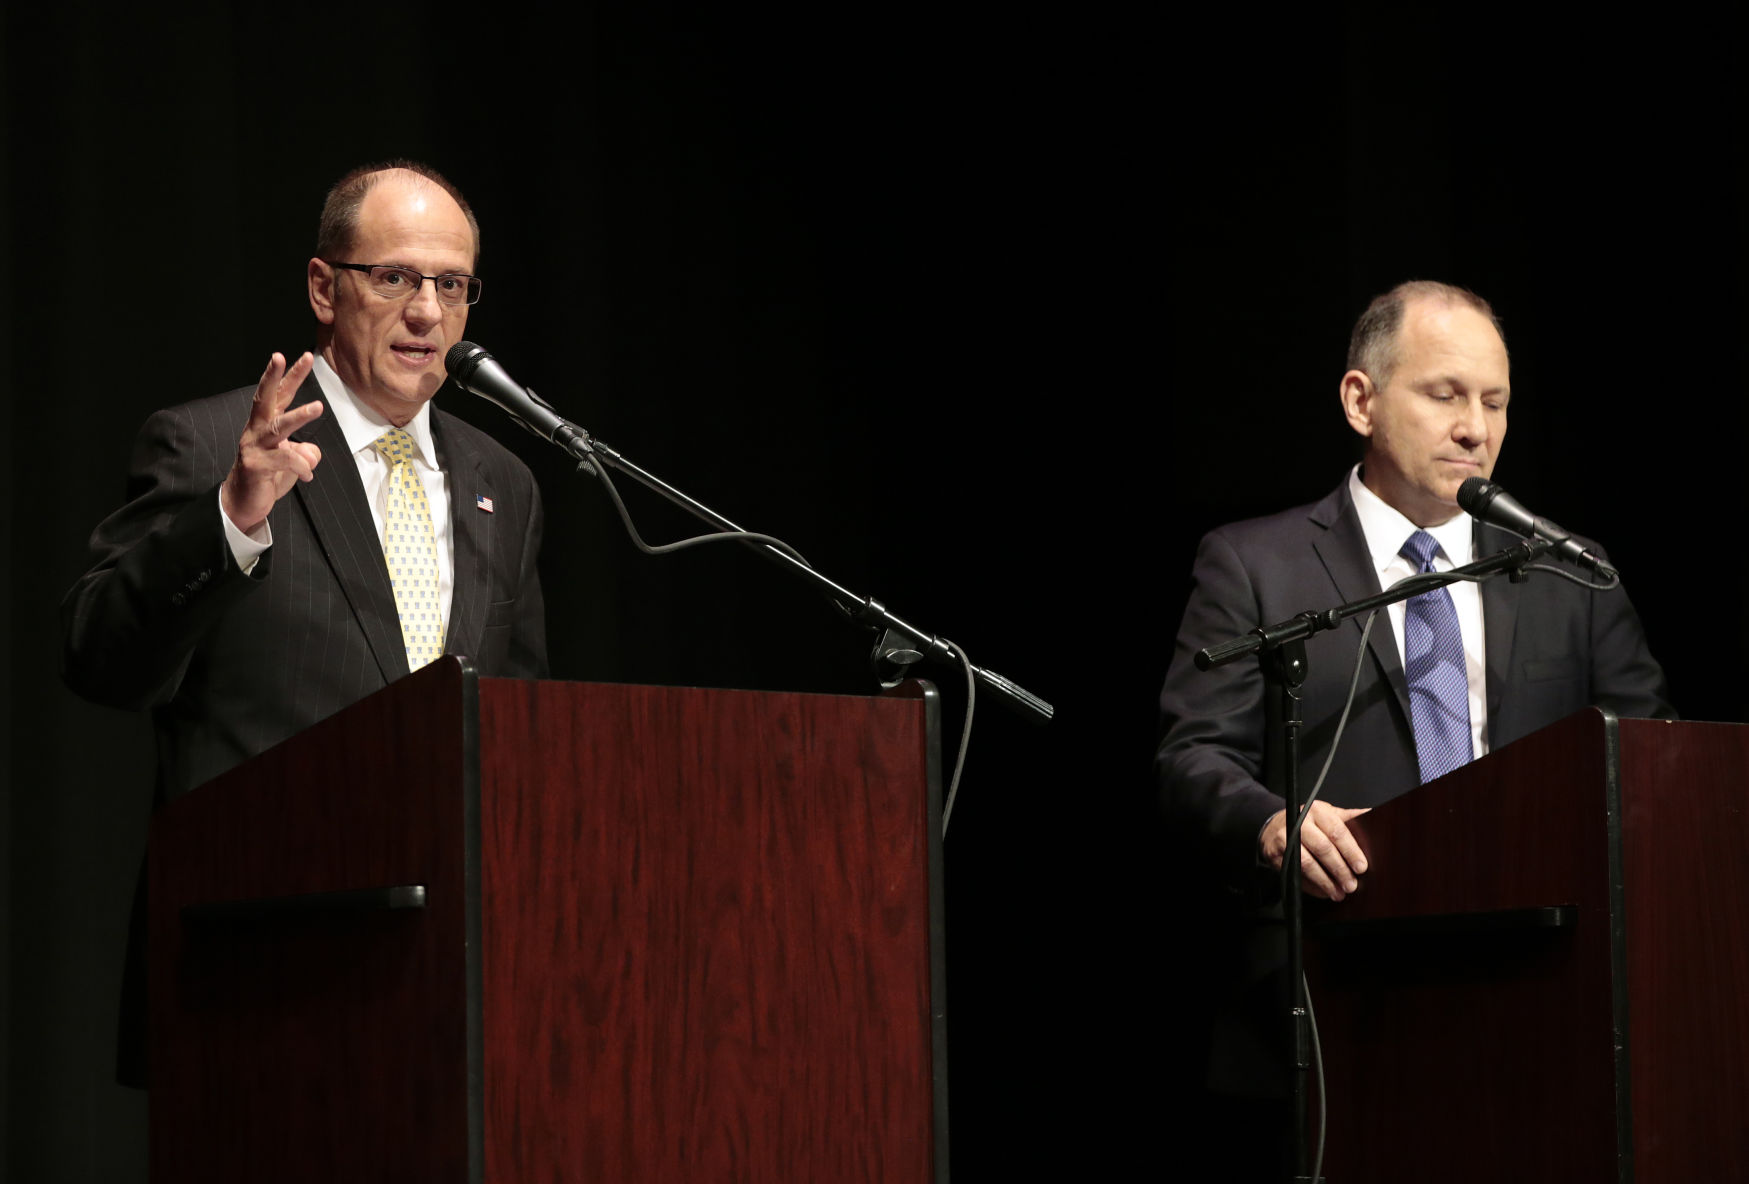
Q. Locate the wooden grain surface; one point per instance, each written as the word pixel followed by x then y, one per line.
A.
pixel 706 937
pixel 1488 1056
pixel 1686 879
pixel 703 950
pixel 326 1048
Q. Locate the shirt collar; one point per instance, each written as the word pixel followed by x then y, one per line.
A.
pixel 1386 529
pixel 362 426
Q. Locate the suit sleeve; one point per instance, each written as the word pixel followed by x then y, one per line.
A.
pixel 1211 753
pixel 1625 677
pixel 162 572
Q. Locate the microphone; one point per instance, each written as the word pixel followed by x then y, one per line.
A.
pixel 1484 500
pixel 478 373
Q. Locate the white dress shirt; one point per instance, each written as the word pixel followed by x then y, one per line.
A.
pixel 1386 531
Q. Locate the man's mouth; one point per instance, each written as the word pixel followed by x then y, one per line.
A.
pixel 416 353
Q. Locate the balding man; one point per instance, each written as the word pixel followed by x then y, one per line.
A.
pixel 240 611
pixel 288 548
pixel 1427 388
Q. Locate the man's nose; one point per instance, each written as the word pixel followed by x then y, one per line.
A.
pixel 1471 428
pixel 423 307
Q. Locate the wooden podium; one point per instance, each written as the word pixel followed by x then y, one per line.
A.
pixel 478 929
pixel 1545 975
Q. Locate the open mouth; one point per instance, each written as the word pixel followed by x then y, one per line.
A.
pixel 415 353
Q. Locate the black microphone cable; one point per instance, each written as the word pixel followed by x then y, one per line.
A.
pixel 465 359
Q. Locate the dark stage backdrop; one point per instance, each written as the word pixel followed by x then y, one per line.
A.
pixel 992 315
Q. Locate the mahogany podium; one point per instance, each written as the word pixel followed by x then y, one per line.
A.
pixel 1545 975
pixel 477 929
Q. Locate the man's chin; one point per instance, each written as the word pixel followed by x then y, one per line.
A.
pixel 1430 506
pixel 1446 488
pixel 1454 476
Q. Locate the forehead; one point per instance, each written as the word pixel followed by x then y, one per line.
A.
pixel 1441 337
pixel 404 221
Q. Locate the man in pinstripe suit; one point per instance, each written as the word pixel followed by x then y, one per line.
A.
pixel 240 611
pixel 241 593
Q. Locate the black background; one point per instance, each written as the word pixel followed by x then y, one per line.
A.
pixel 990 311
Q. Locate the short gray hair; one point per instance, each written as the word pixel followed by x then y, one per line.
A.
pixel 1372 347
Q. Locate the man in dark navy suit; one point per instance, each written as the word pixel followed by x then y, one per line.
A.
pixel 1427 388
pixel 242 592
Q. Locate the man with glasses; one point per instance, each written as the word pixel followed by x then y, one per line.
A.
pixel 241 612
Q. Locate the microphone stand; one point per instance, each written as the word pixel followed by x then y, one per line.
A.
pixel 1281 652
pixel 900 645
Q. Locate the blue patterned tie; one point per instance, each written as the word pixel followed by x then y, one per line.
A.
pixel 1433 661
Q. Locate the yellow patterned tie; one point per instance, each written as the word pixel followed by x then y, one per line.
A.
pixel 410 549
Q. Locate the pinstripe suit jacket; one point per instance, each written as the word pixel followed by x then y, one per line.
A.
pixel 231 664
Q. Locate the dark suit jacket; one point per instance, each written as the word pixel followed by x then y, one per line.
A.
pixel 230 664
pixel 1552 647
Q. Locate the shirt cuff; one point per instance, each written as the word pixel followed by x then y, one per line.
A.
pixel 248 548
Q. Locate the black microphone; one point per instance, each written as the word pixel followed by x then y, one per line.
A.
pixel 478 373
pixel 1483 499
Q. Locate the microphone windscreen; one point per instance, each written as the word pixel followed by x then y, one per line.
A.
pixel 1474 495
pixel 461 359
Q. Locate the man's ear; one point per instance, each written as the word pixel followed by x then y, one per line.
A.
pixel 321 280
pixel 1357 396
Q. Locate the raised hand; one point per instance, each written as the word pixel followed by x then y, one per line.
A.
pixel 268 462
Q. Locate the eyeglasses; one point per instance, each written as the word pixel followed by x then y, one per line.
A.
pixel 397 283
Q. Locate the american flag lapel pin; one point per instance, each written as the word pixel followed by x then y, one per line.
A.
pixel 484 502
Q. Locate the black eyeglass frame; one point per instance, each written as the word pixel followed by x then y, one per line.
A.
pixel 474 288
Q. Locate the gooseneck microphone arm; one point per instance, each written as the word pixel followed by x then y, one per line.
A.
pixel 475 371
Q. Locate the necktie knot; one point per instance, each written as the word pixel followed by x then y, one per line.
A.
pixel 395 445
pixel 1420 549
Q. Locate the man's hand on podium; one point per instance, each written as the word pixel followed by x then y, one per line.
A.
pixel 1331 861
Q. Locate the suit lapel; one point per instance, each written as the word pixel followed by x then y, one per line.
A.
pixel 340 518
pixel 471 528
pixel 1499 620
pixel 1342 549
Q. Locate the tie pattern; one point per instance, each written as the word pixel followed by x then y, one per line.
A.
pixel 1433 662
pixel 410 550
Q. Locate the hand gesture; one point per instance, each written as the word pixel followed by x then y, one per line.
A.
pixel 1331 861
pixel 268 462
